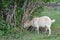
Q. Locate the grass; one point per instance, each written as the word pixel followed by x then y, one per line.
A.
pixel 26 35
pixel 53 13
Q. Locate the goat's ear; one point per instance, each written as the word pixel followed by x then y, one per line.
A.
pixel 27 20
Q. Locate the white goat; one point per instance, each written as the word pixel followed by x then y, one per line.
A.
pixel 43 21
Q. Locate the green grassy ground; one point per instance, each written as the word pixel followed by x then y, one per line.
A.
pixel 53 13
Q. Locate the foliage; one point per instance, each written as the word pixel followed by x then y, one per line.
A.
pixel 6 29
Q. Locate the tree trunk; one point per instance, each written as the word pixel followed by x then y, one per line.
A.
pixel 29 7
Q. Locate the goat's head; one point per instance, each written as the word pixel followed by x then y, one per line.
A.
pixel 27 24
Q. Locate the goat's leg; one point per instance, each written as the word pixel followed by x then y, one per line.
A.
pixel 49 31
pixel 38 30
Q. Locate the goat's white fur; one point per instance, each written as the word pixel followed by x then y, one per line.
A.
pixel 37 22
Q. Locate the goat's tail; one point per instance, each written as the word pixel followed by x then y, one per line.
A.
pixel 53 21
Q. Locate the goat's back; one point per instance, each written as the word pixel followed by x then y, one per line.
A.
pixel 41 21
